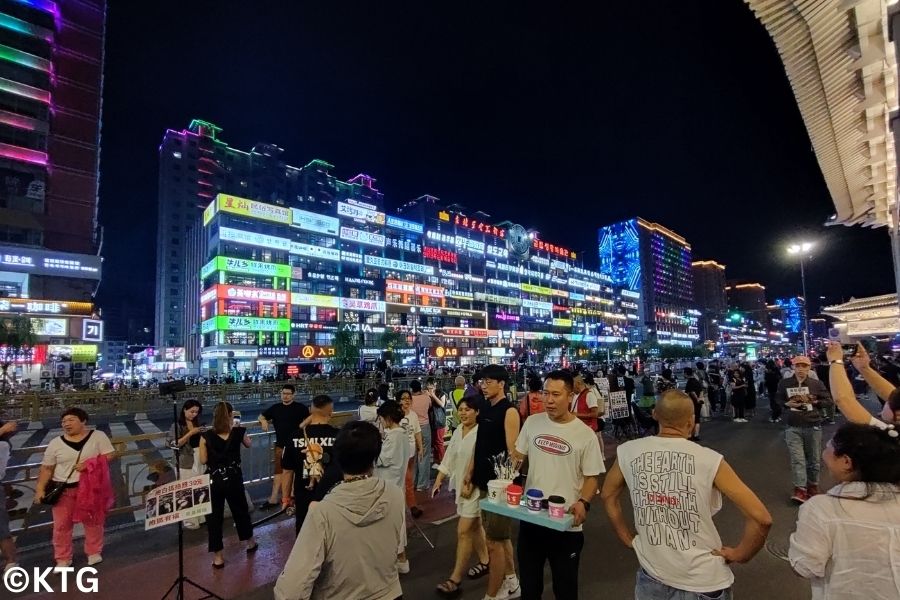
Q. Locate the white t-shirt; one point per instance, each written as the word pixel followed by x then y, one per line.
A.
pixel 560 456
pixel 671 485
pixel 368 413
pixel 410 424
pixel 457 457
pixel 61 456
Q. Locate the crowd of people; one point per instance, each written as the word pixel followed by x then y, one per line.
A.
pixel 354 490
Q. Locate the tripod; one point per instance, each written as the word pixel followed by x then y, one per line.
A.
pixel 182 579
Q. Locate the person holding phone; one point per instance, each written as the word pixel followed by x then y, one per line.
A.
pixel 184 437
pixel 469 532
pixel 843 393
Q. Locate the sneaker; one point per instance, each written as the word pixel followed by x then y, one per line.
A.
pixel 94 559
pixel 812 489
pixel 191 525
pixel 268 505
pixel 510 589
pixel 64 563
pixel 403 567
pixel 416 512
pixel 799 496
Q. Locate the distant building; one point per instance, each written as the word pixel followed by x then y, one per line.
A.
pixel 861 318
pixel 650 267
pixel 709 296
pixel 749 299
pixel 113 356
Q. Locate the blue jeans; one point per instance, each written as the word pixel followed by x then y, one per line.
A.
pixel 648 588
pixel 423 466
pixel 805 447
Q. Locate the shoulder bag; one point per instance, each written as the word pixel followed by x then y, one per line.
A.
pixel 53 491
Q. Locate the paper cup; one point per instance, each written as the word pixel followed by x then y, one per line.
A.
pixel 533 498
pixel 497 490
pixel 556 507
pixel 514 495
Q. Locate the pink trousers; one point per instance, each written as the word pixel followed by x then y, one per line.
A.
pixel 63 525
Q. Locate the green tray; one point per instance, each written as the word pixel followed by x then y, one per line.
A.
pixel 523 514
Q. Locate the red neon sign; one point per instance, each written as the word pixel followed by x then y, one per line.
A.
pixel 439 255
pixel 475 225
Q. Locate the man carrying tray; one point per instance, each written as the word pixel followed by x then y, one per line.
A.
pixel 564 459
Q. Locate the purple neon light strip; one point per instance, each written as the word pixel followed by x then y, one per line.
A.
pixel 21 122
pixel 23 154
pixel 44 5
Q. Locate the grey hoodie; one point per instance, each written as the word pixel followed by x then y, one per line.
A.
pixel 347 547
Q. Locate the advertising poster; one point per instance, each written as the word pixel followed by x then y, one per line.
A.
pixel 177 501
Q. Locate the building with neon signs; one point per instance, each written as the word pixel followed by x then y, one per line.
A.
pixel 277 283
pixel 651 265
pixel 195 165
pixel 51 80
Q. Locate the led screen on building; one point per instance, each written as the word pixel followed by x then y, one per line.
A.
pixel 620 254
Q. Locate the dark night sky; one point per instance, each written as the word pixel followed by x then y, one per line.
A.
pixel 564 119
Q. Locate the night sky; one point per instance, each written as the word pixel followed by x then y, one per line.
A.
pixel 561 118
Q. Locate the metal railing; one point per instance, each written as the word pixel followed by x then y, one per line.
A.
pixel 36 406
pixel 139 465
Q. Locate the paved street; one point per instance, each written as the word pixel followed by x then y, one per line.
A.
pixel 147 563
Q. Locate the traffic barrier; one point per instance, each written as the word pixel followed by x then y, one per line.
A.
pixel 141 463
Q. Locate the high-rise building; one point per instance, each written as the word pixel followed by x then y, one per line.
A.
pixel 51 82
pixel 749 299
pixel 194 166
pixel 709 296
pixel 651 265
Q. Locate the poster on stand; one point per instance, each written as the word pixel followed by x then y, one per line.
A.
pixel 177 501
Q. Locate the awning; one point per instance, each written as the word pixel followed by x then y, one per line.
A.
pixel 842 68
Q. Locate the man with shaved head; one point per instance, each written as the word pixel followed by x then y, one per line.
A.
pixel 676 487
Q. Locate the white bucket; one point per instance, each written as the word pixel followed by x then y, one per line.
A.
pixel 497 490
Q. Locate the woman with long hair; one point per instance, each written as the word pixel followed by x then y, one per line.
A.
pixel 739 395
pixel 469 532
pixel 184 436
pixel 368 411
pixel 220 451
pixel 846 541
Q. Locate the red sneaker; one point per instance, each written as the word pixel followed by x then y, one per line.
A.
pixel 800 496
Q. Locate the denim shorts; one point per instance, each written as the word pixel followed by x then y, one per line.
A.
pixel 648 587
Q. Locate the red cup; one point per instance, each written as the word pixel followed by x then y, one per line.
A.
pixel 513 494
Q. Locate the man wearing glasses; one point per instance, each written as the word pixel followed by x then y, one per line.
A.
pixel 498 428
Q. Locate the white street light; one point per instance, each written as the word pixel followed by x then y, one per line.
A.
pixel 803 249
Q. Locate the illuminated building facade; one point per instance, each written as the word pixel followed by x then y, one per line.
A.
pixel 51 80
pixel 279 281
pixel 651 265
pixel 194 166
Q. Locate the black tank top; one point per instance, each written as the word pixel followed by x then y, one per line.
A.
pixel 491 441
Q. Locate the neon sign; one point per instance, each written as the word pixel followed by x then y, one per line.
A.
pixel 359 213
pixel 475 225
pixel 398 223
pixel 315 222
pixel 439 255
pixel 362 237
pixel 398 265
pixel 250 238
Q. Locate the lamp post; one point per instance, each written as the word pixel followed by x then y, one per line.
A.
pixel 802 250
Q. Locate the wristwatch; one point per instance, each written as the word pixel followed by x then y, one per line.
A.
pixel 587 505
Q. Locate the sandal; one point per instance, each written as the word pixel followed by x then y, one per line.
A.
pixel 478 571
pixel 449 589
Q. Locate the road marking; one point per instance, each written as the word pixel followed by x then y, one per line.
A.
pixel 447 520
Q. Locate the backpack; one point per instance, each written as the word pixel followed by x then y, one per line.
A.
pixel 437 415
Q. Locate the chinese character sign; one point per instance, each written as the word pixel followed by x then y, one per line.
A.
pixel 177 501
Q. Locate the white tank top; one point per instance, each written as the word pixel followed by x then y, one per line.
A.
pixel 671 485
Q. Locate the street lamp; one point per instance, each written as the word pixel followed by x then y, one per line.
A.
pixel 802 249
